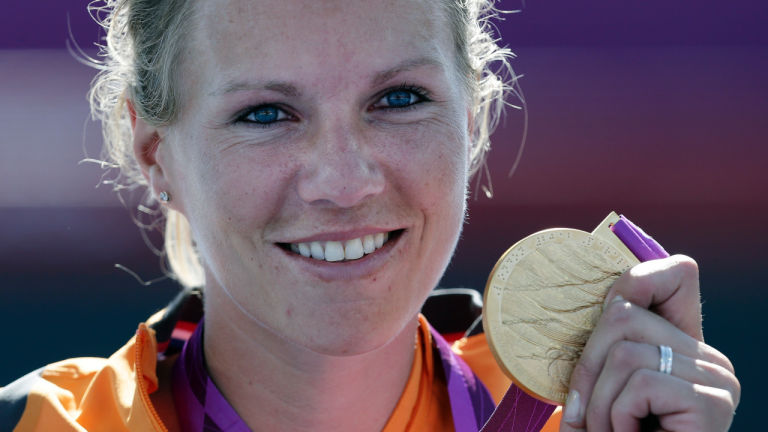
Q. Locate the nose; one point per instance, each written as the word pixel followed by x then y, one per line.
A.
pixel 340 169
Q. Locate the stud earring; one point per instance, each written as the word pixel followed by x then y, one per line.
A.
pixel 164 197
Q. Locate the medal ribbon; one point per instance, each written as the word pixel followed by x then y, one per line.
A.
pixel 643 246
pixel 471 402
pixel 200 406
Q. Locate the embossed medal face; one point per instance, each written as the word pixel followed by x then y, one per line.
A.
pixel 542 301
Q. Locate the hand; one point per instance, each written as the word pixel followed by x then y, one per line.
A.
pixel 617 382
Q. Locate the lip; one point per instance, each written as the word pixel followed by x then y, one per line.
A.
pixel 361 268
pixel 340 236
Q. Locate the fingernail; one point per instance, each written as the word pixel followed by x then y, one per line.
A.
pixel 617 298
pixel 572 412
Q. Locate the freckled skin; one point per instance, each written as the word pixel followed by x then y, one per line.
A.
pixel 341 161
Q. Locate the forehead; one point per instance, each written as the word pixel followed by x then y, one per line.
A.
pixel 318 39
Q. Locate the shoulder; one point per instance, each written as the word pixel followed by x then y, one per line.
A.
pixel 48 398
pixel 102 394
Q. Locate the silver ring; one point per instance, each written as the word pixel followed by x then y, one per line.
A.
pixel 665 363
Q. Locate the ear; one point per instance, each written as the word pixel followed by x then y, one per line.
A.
pixel 146 149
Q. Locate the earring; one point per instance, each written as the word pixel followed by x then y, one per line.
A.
pixel 164 197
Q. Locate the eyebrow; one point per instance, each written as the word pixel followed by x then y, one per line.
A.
pixel 290 90
pixel 284 88
pixel 387 74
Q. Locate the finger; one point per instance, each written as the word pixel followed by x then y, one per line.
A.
pixel 680 405
pixel 669 287
pixel 624 321
pixel 625 358
pixel 564 427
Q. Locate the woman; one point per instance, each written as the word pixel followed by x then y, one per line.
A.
pixel 318 153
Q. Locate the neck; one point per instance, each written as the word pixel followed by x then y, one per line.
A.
pixel 274 384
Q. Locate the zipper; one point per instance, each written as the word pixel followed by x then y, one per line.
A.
pixel 139 350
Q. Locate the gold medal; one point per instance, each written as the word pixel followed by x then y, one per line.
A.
pixel 544 298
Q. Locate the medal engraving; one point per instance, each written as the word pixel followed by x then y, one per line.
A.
pixel 542 301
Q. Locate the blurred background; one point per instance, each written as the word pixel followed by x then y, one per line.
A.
pixel 657 110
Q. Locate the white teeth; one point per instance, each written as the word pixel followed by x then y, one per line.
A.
pixel 368 244
pixel 353 249
pixel 317 250
pixel 334 251
pixel 338 251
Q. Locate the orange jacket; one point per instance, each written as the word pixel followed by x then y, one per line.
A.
pixel 114 394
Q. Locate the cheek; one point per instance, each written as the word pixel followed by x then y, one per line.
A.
pixel 445 187
pixel 437 170
pixel 234 192
pixel 431 175
pixel 446 191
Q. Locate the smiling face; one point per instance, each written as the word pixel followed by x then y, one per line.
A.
pixel 320 128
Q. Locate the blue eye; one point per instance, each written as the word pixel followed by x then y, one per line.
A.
pixel 264 115
pixel 400 98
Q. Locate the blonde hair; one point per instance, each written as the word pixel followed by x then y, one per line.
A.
pixel 144 45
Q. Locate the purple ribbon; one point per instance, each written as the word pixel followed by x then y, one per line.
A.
pixel 200 406
pixel 471 402
pixel 643 246
pixel 519 412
